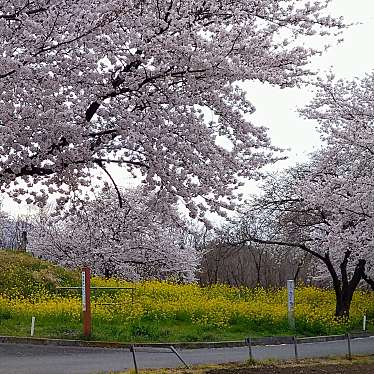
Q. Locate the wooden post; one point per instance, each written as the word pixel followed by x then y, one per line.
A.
pixel 86 301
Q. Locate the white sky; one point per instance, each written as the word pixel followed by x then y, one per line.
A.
pixel 354 57
pixel 276 108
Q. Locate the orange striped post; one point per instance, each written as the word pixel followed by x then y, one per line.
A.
pixel 86 301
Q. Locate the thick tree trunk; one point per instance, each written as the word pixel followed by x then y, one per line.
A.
pixel 343 301
pixel 344 288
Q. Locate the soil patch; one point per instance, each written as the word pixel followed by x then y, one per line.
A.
pixel 318 369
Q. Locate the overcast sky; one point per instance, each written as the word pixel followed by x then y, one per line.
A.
pixel 354 57
pixel 276 108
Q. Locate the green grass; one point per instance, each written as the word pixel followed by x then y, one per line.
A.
pixel 143 331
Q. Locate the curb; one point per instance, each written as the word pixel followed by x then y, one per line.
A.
pixel 275 340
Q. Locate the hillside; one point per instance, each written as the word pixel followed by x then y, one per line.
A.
pixel 23 275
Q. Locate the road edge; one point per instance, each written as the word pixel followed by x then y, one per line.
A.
pixel 275 340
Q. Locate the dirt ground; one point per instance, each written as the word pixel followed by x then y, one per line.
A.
pixel 319 369
pixel 333 365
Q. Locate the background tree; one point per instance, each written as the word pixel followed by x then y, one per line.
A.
pixel 326 207
pixel 140 240
pixel 90 83
pixel 13 231
pixel 249 263
pixel 345 111
pixel 303 219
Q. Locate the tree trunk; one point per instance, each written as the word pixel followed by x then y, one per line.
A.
pixel 23 241
pixel 343 301
pixel 107 273
pixel 296 275
pixel 344 288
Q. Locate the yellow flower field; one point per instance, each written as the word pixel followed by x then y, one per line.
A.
pixel 160 306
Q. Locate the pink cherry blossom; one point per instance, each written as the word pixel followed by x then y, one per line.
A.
pixel 88 83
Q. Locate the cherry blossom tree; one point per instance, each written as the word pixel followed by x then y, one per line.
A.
pixel 90 83
pixel 326 207
pixel 302 222
pixel 345 111
pixel 143 239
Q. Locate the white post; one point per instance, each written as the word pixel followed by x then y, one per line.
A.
pixel 291 303
pixel 86 301
pixel 32 325
pixel 364 323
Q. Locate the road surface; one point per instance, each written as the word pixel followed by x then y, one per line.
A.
pixel 38 359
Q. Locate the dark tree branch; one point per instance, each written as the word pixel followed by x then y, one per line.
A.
pixel 358 274
pixel 92 109
pixel 281 243
pixel 13 16
pixel 368 280
pixel 101 165
pixel 9 73
pixel 343 267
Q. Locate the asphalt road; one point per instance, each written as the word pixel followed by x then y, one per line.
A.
pixel 37 359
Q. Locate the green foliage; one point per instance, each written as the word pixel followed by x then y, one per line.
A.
pixel 5 315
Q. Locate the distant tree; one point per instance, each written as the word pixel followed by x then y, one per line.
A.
pixel 13 231
pixel 86 84
pixel 140 240
pixel 249 263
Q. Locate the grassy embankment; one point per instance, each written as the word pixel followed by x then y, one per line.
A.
pixel 161 311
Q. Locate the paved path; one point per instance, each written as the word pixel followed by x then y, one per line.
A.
pixel 36 359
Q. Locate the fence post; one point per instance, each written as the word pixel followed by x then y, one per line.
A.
pixel 295 348
pixel 349 346
pixel 132 349
pixel 179 356
pixel 249 343
pixel 86 301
